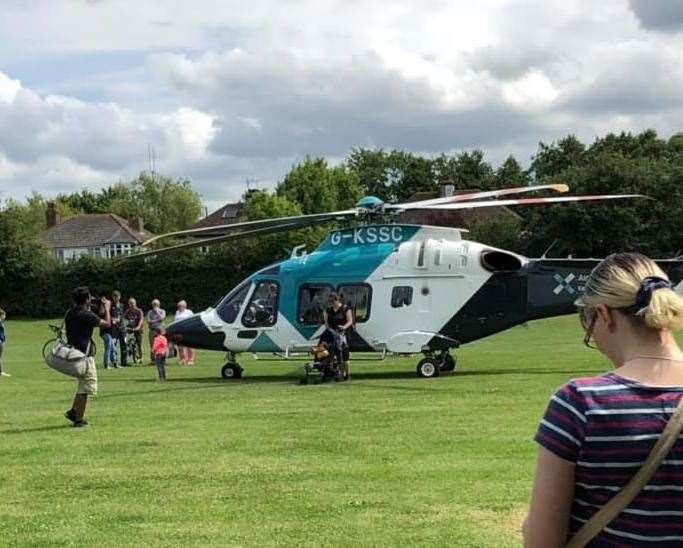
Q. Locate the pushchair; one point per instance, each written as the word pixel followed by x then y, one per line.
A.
pixel 327 358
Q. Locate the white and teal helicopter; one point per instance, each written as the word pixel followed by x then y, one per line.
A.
pixel 413 289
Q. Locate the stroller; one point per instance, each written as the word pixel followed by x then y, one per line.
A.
pixel 327 358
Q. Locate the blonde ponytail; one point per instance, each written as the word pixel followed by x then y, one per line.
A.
pixel 665 310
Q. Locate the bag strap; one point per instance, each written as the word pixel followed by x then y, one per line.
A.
pixel 622 499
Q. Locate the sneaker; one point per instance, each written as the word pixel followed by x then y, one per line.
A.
pixel 190 363
pixel 3 374
pixel 70 415
pixel 80 424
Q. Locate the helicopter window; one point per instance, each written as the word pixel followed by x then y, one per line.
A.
pixel 230 306
pixel 312 302
pixel 358 298
pixel 401 295
pixel 262 308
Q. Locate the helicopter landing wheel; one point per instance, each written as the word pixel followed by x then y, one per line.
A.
pixel 448 362
pixel 231 371
pixel 428 368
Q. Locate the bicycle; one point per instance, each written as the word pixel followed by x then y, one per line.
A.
pixel 60 338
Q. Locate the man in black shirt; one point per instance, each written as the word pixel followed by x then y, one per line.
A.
pixel 80 322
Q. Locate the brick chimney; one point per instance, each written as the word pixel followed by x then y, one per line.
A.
pixel 136 223
pixel 52 215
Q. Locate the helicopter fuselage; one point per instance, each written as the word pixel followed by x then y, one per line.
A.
pixel 411 289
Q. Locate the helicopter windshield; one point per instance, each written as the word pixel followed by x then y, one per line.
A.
pixel 230 306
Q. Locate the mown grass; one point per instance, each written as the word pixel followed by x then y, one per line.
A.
pixel 385 460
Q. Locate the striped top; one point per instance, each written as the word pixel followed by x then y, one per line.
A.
pixel 607 425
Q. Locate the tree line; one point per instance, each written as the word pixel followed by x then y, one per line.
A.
pixel 33 283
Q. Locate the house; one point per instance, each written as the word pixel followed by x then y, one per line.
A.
pixel 459 218
pixel 226 215
pixel 100 235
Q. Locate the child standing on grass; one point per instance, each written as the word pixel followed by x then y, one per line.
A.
pixel 160 350
pixel 2 341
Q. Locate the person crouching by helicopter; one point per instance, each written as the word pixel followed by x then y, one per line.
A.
pixel 338 318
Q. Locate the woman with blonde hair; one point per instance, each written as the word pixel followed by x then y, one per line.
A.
pixel 597 431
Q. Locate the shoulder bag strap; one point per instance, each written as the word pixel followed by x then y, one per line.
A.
pixel 622 499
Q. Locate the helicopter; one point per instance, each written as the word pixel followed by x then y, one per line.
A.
pixel 412 289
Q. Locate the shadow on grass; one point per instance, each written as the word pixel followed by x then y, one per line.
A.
pixel 38 429
pixel 364 379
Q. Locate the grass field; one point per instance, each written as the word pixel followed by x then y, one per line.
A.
pixel 385 460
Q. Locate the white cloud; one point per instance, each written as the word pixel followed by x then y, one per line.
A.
pixel 530 92
pixel 225 93
pixel 8 88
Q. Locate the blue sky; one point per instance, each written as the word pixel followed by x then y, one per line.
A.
pixel 226 91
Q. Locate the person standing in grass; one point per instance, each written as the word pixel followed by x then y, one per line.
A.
pixel 3 339
pixel 186 353
pixel 117 327
pixel 133 319
pixel 597 431
pixel 160 351
pixel 155 319
pixel 107 334
pixel 80 323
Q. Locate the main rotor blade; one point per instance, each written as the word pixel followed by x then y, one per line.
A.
pixel 535 201
pixel 264 223
pixel 560 187
pixel 214 240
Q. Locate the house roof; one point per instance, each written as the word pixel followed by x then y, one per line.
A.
pixel 93 230
pixel 228 214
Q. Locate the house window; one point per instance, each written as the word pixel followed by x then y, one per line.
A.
pixel 312 303
pixel 358 298
pixel 114 250
pixel 401 295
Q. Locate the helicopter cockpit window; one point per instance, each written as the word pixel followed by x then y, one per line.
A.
pixel 312 303
pixel 261 311
pixel 357 297
pixel 401 295
pixel 229 308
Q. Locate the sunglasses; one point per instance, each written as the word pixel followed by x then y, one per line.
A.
pixel 588 317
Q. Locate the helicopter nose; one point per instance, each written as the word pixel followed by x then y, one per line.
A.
pixel 193 332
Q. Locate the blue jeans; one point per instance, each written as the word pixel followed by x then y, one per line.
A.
pixel 160 362
pixel 109 350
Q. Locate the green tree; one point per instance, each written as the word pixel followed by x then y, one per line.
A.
pixel 510 174
pixel 165 204
pixel 625 163
pixel 392 176
pixel 318 188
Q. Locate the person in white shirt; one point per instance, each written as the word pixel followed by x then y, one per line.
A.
pixel 185 354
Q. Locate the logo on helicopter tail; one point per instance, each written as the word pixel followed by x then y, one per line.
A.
pixel 566 283
pixel 367 235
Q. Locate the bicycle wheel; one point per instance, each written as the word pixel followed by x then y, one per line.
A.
pixel 48 346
